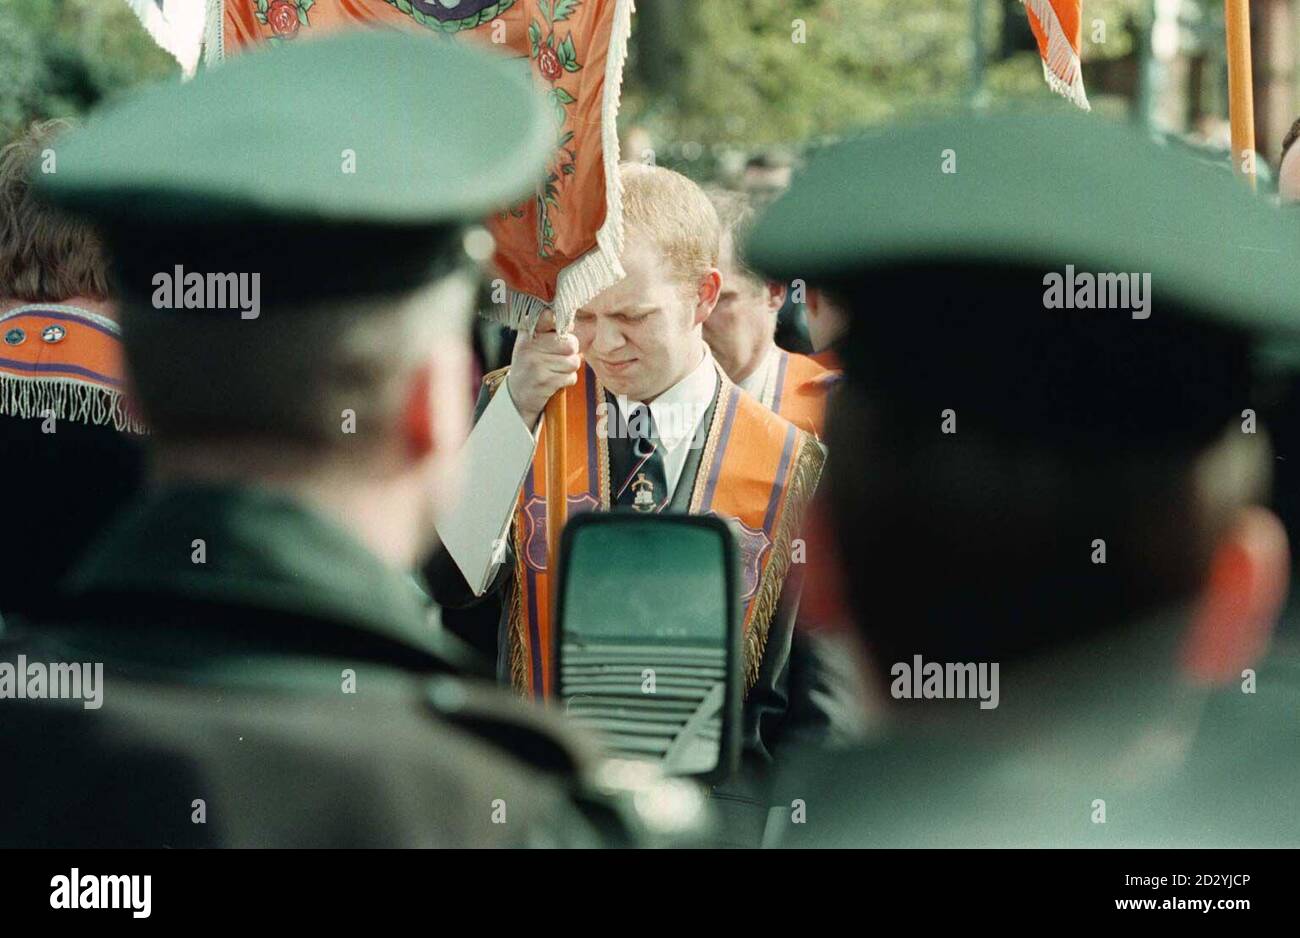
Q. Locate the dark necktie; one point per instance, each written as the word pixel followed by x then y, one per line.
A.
pixel 645 485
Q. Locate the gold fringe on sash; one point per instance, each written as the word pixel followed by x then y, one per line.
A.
pixel 806 473
pixel 518 645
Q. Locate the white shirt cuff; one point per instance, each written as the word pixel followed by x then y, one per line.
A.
pixel 493 463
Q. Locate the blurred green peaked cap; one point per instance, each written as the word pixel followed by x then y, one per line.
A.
pixel 1040 192
pixel 438 131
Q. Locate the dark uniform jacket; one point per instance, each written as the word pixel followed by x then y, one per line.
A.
pixel 267 681
pixel 1238 785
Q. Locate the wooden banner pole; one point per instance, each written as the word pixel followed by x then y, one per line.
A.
pixel 556 474
pixel 1241 95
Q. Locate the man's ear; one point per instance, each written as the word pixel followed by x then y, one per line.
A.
pixel 706 297
pixel 419 436
pixel 1234 617
pixel 775 295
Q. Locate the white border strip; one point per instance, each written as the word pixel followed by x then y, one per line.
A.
pixel 214 33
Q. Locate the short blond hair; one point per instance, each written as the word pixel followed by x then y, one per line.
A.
pixel 736 216
pixel 45 255
pixel 676 215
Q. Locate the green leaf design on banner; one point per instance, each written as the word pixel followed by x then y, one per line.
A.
pixel 563 8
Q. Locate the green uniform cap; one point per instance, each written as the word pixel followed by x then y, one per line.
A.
pixel 1042 190
pixel 1061 280
pixel 352 157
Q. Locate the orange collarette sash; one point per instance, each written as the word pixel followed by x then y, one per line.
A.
pixel 798 391
pixel 62 362
pixel 757 470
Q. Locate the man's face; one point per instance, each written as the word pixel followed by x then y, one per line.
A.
pixel 641 336
pixel 741 326
pixel 1288 176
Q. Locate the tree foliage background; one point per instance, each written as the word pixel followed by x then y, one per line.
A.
pixel 712 73
pixel 730 71
pixel 58 58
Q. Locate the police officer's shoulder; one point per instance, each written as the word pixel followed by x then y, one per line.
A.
pixel 529 734
pixel 627 803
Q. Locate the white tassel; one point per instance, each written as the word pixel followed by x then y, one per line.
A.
pixel 177 28
pixel 600 267
pixel 1061 59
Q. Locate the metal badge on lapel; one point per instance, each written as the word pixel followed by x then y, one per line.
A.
pixel 643 494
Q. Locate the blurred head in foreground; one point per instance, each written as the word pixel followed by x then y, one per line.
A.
pixel 303 325
pixel 1288 167
pixel 1047 480
pixel 1047 436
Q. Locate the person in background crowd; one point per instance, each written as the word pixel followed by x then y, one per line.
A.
pixel 741 328
pixel 1288 167
pixel 827 326
pixel 71 448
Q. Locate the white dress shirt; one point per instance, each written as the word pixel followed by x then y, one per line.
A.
pixel 677 413
pixel 758 384
pixel 499 450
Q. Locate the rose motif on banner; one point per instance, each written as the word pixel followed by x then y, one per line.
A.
pixel 285 17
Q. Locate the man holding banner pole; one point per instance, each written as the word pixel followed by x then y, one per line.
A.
pixel 653 425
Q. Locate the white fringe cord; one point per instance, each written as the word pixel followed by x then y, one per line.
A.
pixel 65 399
pixel 1061 68
pixel 214 33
